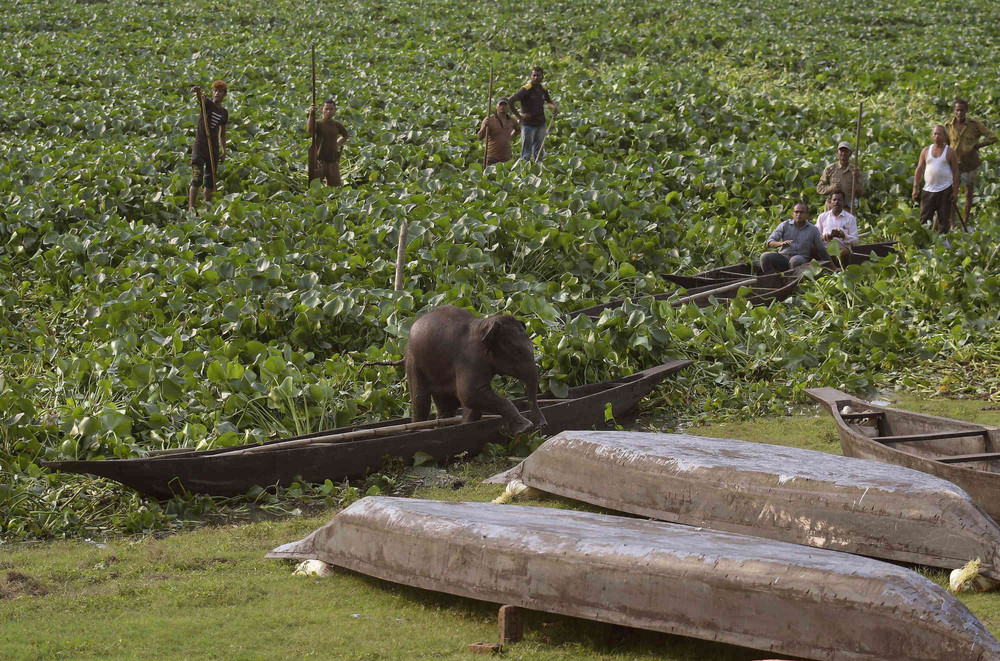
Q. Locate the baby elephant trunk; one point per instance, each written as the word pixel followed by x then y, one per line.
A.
pixel 531 388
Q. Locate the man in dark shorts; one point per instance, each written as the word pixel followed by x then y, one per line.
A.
pixel 330 136
pixel 206 155
pixel 500 128
pixel 937 168
pixel 533 99
pixel 795 239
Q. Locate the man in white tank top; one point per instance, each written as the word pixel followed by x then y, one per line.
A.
pixel 938 169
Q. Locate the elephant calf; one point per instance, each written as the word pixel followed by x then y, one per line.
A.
pixel 452 357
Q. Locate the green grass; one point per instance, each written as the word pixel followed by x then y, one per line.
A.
pixel 210 594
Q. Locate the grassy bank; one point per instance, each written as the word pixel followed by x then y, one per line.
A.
pixel 209 594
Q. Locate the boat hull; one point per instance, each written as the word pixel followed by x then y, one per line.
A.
pixel 781 493
pixel 977 479
pixel 224 472
pixel 770 287
pixel 647 574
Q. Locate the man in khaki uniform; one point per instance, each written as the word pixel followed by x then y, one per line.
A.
pixel 966 135
pixel 842 176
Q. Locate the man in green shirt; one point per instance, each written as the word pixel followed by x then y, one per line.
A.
pixel 966 136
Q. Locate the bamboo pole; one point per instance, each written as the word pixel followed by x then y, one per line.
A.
pixel 717 290
pixel 489 109
pixel 311 165
pixel 358 434
pixel 857 156
pixel 542 146
pixel 400 255
pixel 208 140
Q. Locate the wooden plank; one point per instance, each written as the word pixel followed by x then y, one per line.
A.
pixel 931 436
pixel 863 416
pixel 962 458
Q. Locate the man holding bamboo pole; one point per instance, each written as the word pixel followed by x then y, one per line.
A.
pixel 499 129
pixel 533 98
pixel 967 136
pixel 331 136
pixel 842 176
pixel 209 142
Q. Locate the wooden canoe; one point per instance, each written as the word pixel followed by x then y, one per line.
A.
pixel 782 493
pixel 963 453
pixel 713 585
pixel 226 472
pixel 719 283
pixel 859 254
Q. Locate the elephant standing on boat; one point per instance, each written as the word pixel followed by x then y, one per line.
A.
pixel 452 357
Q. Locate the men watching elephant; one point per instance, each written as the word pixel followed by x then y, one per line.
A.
pixel 795 240
pixel 838 226
pixel 937 167
pixel 533 98
pixel 842 176
pixel 966 136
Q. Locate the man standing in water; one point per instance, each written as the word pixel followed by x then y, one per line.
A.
pixel 533 99
pixel 209 142
pixel 499 129
pixel 331 136
pixel 937 167
pixel 966 136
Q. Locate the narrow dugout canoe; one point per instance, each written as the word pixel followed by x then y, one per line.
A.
pixel 782 493
pixel 964 453
pixel 700 288
pixel 226 472
pixel 767 288
pixel 859 254
pixel 718 586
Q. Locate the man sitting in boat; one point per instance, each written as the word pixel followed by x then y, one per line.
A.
pixel 838 227
pixel 794 239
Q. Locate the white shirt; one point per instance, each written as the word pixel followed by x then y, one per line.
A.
pixel 937 171
pixel 827 222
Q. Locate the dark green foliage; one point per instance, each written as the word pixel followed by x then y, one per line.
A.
pixel 127 324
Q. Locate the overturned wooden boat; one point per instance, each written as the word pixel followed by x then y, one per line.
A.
pixel 782 493
pixel 746 279
pixel 964 453
pixel 352 452
pixel 713 585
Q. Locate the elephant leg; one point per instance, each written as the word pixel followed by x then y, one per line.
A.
pixel 471 415
pixel 446 405
pixel 420 396
pixel 483 399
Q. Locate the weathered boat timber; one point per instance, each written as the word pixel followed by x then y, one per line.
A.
pixel 782 493
pixel 961 452
pixel 722 283
pixel 652 575
pixel 228 472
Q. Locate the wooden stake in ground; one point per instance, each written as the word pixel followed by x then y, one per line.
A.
pixel 313 166
pixel 857 155
pixel 489 109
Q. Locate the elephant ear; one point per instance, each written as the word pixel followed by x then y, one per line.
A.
pixel 492 333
